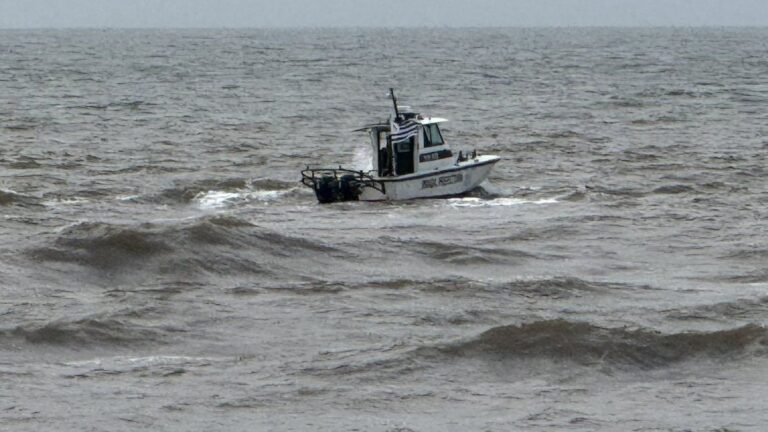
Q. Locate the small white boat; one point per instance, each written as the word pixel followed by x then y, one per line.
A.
pixel 410 159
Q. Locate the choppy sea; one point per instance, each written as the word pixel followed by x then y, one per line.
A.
pixel 161 268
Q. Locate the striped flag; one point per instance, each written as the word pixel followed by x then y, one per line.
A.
pixel 402 130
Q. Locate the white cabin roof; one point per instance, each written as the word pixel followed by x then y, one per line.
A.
pixel 431 120
pixel 385 126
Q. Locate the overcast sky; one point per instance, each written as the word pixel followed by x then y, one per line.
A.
pixel 382 13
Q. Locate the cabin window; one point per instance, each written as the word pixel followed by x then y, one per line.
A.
pixel 432 136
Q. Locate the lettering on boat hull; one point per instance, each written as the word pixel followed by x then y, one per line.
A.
pixel 442 181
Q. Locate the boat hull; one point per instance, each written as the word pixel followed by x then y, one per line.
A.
pixel 454 180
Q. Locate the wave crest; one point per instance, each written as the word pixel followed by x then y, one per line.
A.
pixel 10 198
pixel 588 344
pixel 103 245
pixel 84 332
pixel 196 247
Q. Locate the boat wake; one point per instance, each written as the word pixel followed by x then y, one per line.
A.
pixel 223 199
pixel 216 193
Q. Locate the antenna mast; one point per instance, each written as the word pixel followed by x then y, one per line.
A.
pixel 394 101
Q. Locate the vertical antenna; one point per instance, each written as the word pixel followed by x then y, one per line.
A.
pixel 394 101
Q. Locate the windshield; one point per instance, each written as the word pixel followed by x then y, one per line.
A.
pixel 432 136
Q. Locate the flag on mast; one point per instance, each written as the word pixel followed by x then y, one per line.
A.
pixel 402 130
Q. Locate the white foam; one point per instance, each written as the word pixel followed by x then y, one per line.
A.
pixel 497 202
pixel 222 199
pixel 70 225
pixel 130 364
pixel 65 201
pixel 217 199
pixel 127 197
pixel 267 195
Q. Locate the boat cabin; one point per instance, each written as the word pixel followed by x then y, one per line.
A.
pixel 426 150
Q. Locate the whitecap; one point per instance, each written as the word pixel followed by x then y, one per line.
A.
pixel 217 199
pixel 127 197
pixel 65 202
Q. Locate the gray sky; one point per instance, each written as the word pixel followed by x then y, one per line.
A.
pixel 384 13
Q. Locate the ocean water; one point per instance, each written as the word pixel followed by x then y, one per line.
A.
pixel 161 268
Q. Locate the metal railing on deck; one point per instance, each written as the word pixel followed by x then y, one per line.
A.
pixel 310 177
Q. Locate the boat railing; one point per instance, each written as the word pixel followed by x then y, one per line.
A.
pixel 312 175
